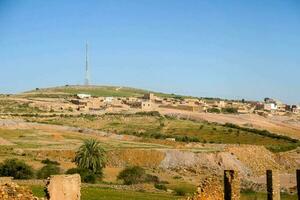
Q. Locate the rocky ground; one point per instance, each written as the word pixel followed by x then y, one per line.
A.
pixel 12 191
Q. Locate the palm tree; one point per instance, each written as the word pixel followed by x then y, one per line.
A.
pixel 91 156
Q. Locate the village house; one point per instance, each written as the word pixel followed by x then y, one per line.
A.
pixel 83 96
pixel 146 105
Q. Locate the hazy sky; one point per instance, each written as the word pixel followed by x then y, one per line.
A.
pixel 232 49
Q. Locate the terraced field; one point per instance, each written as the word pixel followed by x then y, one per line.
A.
pixel 147 125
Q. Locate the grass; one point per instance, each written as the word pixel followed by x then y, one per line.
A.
pixel 263 196
pixel 95 193
pixel 182 188
pixel 159 127
pixel 103 91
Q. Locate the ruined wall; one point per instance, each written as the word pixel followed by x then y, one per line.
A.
pixel 66 187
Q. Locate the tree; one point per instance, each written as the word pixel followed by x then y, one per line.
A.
pixel 48 170
pixel 91 156
pixel 16 168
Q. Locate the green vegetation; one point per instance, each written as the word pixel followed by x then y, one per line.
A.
pixel 229 110
pixel 104 91
pixel 47 171
pixel 179 191
pixel 160 186
pixel 90 160
pixel 293 143
pixel 91 156
pixel 213 110
pixel 47 161
pixel 263 196
pixel 135 175
pixel 16 168
pixel 87 176
pixel 153 125
pixel 96 193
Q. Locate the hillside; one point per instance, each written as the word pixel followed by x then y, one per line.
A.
pixel 104 91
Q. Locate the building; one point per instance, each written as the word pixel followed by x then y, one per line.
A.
pixel 83 96
pixel 270 107
pixel 295 109
pixel 147 105
pixel 149 96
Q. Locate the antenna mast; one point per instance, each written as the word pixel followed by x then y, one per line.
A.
pixel 87 75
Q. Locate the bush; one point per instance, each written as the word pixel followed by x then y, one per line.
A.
pixel 87 176
pixel 47 171
pixel 213 110
pixel 229 110
pixel 151 179
pixel 136 174
pixel 179 191
pixel 16 168
pixel 160 186
pixel 132 175
pixel 150 113
pixel 49 162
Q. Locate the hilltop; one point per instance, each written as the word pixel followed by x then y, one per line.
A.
pixel 94 90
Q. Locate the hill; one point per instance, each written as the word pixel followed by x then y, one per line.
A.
pixel 105 91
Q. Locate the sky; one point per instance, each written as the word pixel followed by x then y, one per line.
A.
pixel 206 48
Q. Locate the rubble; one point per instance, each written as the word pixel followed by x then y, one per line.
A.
pixel 12 191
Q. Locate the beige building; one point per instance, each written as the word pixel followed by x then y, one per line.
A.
pixel 147 105
pixel 149 96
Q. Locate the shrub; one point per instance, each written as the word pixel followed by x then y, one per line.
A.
pixel 132 175
pixel 136 174
pixel 213 110
pixel 160 186
pixel 177 177
pixel 47 171
pixel 151 178
pixel 150 113
pixel 229 110
pixel 87 176
pixel 179 191
pixel 49 162
pixel 16 168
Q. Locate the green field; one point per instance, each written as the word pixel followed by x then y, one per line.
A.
pixel 160 127
pixel 94 193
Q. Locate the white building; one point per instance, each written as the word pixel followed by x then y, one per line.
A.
pixel 270 106
pixel 108 99
pixel 83 96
